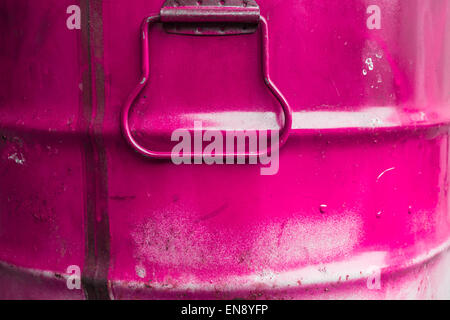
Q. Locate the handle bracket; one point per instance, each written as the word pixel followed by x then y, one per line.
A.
pixel 210 17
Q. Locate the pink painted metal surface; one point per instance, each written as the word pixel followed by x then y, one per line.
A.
pixel 362 181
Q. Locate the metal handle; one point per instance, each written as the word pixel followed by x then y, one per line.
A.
pixel 145 76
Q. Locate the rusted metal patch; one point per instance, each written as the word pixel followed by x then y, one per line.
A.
pixel 97 234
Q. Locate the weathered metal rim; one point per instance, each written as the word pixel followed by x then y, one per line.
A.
pixel 288 280
pixel 442 126
pixel 279 282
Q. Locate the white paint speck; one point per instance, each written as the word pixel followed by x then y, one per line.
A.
pixel 17 158
pixel 369 63
pixel 140 272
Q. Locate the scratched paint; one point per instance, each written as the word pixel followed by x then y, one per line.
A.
pixel 362 182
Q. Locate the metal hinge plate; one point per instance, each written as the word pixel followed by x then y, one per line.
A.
pixel 210 17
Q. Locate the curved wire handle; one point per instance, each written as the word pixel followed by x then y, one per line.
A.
pixel 145 76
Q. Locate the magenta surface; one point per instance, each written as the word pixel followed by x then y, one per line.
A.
pixel 362 182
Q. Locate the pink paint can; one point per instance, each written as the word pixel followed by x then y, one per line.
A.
pixel 95 96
